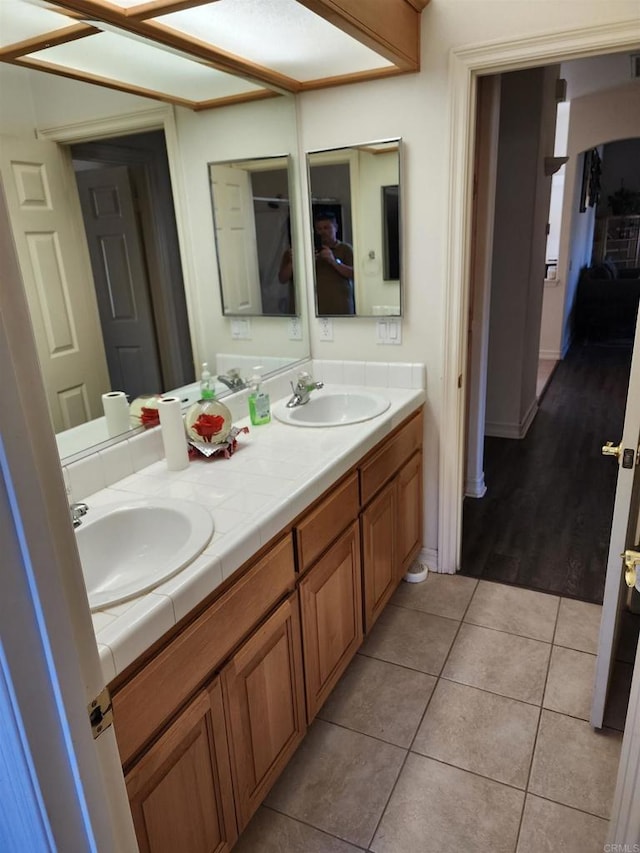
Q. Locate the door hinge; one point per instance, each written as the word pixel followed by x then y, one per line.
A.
pixel 100 712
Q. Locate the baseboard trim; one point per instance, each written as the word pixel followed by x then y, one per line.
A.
pixel 504 430
pixel 475 488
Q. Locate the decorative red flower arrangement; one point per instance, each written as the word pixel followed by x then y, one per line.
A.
pixel 149 417
pixel 208 426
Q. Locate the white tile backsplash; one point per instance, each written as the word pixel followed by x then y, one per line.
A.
pixel 115 465
pixel 117 462
pixel 354 372
pixel 85 477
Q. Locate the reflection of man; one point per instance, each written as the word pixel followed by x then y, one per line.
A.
pixel 334 268
pixel 287 303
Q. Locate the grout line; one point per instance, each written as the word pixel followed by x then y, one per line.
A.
pixel 312 826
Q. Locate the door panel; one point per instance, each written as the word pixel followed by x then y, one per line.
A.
pixel 122 286
pixel 624 534
pixel 236 240
pixel 47 228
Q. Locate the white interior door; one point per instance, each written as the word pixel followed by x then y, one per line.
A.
pixel 624 534
pixel 236 240
pixel 48 232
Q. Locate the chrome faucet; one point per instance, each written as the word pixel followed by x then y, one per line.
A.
pixel 302 390
pixel 232 379
pixel 77 510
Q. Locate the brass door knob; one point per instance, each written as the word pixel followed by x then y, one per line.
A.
pixel 631 563
pixel 609 449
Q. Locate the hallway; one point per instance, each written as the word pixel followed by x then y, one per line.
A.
pixel 545 520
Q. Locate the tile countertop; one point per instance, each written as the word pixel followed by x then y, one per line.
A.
pixel 275 473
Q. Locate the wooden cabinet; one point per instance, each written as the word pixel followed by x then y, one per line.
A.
pixel 331 607
pixel 206 724
pixel 391 522
pixel 264 704
pixel 180 790
pixel 410 507
pixel 379 552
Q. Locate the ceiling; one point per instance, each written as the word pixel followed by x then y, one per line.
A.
pixel 207 53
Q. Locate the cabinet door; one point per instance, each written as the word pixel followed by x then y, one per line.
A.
pixel 180 790
pixel 380 574
pixel 264 701
pixel 409 513
pixel 331 606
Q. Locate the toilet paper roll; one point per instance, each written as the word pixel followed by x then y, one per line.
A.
pixel 116 412
pixel 174 437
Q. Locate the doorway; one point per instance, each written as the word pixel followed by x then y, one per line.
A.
pixel 542 455
pixel 127 205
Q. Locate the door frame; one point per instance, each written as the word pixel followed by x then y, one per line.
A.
pixel 465 65
pixel 49 656
pixel 157 118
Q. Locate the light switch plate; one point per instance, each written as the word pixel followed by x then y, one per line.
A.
pixel 389 331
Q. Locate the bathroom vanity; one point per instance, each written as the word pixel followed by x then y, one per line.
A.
pixel 208 716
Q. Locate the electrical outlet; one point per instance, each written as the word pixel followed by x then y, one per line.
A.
pixel 295 329
pixel 326 329
pixel 241 329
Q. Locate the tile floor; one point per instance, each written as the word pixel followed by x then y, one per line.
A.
pixel 460 725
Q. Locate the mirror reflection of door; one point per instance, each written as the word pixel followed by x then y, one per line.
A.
pixel 253 223
pixel 236 239
pixel 47 228
pixel 121 280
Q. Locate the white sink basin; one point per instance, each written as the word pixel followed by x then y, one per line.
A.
pixel 129 548
pixel 334 409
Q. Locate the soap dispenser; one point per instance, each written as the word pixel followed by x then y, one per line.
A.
pixel 259 403
pixel 207 391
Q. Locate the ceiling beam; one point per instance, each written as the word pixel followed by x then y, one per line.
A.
pixel 390 27
pixel 93 10
pixel 52 39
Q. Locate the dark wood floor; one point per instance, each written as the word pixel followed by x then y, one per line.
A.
pixel 545 520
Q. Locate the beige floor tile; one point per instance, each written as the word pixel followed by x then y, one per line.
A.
pixel 550 828
pixel 338 781
pixel 517 611
pixel 379 699
pixel 440 594
pixel 436 807
pixel 578 625
pixel 271 832
pixel 569 687
pixel 501 663
pixel 411 638
pixel 479 731
pixel 575 765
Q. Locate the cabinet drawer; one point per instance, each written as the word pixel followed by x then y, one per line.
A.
pixel 318 529
pixel 384 463
pixel 158 690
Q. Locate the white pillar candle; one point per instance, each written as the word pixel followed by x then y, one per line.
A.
pixel 174 437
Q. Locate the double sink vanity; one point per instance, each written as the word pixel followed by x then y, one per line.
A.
pixel 216 670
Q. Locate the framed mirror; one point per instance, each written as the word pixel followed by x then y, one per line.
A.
pixel 86 132
pixel 355 209
pixel 253 223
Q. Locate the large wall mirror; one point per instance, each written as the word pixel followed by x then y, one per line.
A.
pixel 253 221
pixel 355 209
pixel 154 291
